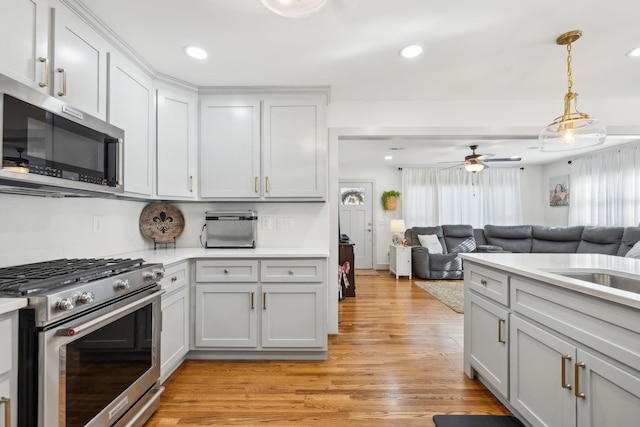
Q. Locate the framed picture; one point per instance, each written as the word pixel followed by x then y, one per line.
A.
pixel 559 190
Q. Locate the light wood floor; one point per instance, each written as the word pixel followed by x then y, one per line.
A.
pixel 397 361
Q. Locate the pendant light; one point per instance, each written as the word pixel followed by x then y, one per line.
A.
pixel 572 130
pixel 294 8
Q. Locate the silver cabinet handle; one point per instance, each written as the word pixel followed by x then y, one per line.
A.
pixel 264 300
pixel 64 81
pixel 45 83
pixel 500 337
pixel 253 300
pixel 226 271
pixel 290 272
pixel 483 282
pixel 266 184
pixel 7 410
pixel 191 184
pixel 256 184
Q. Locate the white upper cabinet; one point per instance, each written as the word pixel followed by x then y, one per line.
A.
pixel 79 72
pixel 131 108
pixel 263 149
pixel 230 149
pixel 176 145
pixel 294 149
pixel 24 29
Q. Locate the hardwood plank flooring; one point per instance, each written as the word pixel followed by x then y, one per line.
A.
pixel 396 361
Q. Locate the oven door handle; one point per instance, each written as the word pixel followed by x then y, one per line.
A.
pixel 71 332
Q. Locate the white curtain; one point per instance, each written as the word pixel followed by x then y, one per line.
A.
pixel 604 189
pixel 454 196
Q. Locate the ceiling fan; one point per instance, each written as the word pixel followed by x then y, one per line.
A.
pixel 476 162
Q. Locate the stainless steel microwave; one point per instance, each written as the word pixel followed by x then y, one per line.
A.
pixel 50 148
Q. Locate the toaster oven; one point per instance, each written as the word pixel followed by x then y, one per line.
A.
pixel 231 229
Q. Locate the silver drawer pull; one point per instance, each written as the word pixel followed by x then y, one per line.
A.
pixel 226 271
pixel 484 282
pixel 290 272
pixel 62 71
pixel 174 278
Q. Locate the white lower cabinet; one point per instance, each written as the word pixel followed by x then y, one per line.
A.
pixel 174 341
pixel 258 305
pixel 488 347
pixel 8 369
pixel 555 383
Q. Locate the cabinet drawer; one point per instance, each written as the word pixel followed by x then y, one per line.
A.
pixel 226 271
pixel 489 283
pixel 304 270
pixel 175 277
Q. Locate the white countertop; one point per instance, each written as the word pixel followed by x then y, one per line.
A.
pixel 170 256
pixel 541 267
pixel 11 304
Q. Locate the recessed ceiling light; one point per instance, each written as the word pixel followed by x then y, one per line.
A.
pixel 634 53
pixel 195 52
pixel 388 157
pixel 411 51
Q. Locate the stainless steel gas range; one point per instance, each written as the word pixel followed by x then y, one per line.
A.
pixel 89 341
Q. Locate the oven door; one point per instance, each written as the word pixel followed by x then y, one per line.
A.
pixel 96 367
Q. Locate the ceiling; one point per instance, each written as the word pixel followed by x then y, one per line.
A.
pixel 473 50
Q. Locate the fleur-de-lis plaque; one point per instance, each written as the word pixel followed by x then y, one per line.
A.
pixel 161 222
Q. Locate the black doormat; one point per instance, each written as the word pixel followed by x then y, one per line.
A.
pixel 476 421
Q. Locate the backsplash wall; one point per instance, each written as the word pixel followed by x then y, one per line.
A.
pixel 36 229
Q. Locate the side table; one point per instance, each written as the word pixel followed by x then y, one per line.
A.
pixel 400 260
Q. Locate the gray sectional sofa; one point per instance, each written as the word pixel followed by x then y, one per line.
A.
pixel 517 238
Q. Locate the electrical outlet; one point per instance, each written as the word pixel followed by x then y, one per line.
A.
pixel 285 223
pixel 97 224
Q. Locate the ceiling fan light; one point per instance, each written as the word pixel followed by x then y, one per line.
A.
pixel 294 8
pixel 474 167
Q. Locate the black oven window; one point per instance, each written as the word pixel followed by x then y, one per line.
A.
pixel 102 365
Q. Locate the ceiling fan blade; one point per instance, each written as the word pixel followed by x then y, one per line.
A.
pixel 452 162
pixel 505 159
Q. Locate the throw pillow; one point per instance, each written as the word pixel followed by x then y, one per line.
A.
pixel 431 242
pixel 634 252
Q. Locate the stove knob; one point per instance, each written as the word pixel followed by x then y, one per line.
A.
pixel 148 275
pixel 65 304
pixel 86 298
pixel 121 285
pixel 158 273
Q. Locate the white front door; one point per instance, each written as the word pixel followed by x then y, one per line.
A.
pixel 356 220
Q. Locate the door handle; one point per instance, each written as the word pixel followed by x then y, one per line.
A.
pixel 500 337
pixel 577 391
pixel 64 81
pixel 563 381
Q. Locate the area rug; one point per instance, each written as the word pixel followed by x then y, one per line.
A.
pixel 449 292
pixel 476 421
pixel 366 273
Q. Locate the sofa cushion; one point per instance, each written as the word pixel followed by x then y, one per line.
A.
pixel 512 238
pixel 431 242
pixel 459 238
pixel 412 235
pixel 556 239
pixel 634 252
pixel 600 240
pixel 445 262
pixel 630 236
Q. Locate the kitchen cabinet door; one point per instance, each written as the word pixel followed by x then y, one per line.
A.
pixel 174 343
pixel 131 108
pixel 294 149
pixel 539 390
pixel 610 393
pixel 230 149
pixel 293 315
pixel 24 31
pixel 176 145
pixel 79 64
pixel 488 346
pixel 226 315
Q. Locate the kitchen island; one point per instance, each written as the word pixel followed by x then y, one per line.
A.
pixel 556 349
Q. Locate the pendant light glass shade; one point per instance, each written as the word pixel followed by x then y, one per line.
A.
pixel 294 8
pixel 474 167
pixel 574 129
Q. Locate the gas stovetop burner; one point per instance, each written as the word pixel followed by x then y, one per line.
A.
pixel 43 277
